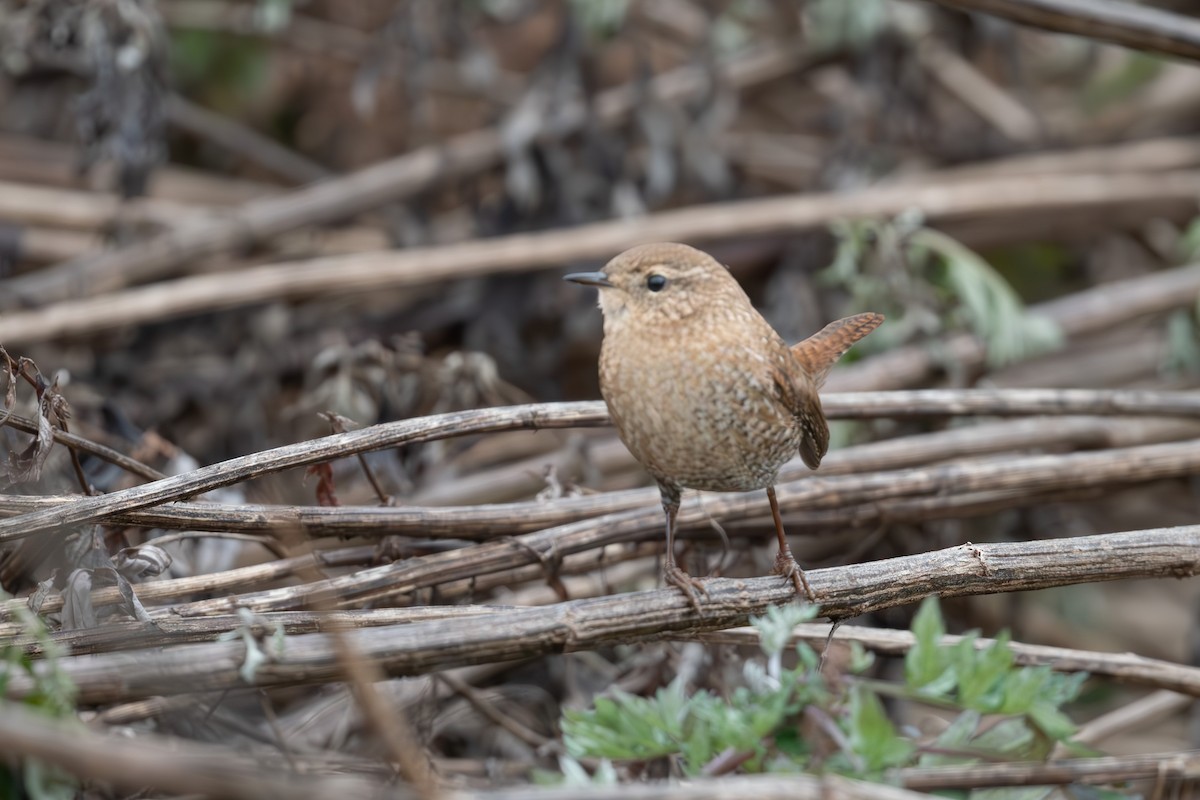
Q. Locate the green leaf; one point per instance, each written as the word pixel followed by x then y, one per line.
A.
pixel 626 726
pixel 926 661
pixel 53 692
pixel 775 627
pixel 956 737
pixel 1012 793
pixel 1189 243
pixel 600 19
pixel 1023 688
pixel 990 307
pixel 1011 737
pixel 1183 344
pixel 1052 722
pixel 861 659
pixel 836 25
pixel 47 782
pixel 1082 792
pixel 981 673
pixel 872 735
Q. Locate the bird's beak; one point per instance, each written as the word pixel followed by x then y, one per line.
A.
pixel 589 279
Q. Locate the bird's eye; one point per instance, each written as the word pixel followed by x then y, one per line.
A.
pixel 655 283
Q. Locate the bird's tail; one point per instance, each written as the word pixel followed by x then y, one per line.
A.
pixel 819 352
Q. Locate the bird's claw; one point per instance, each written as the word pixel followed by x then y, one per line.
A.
pixel 690 586
pixel 787 566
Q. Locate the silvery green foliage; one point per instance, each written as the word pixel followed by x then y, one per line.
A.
pixel 774 721
pixel 927 284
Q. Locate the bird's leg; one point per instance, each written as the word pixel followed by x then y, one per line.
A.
pixel 672 573
pixel 785 562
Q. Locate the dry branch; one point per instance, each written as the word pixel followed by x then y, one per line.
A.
pixel 1086 312
pixel 533 417
pixel 135 635
pixel 1081 470
pixel 177 766
pixel 243 140
pixel 1022 196
pixel 45 245
pixel 1143 155
pixel 486 520
pixel 90 211
pixel 76 442
pixel 1178 766
pixel 313 35
pixel 220 581
pixel 564 415
pixel 150 760
pixel 1144 712
pixel 1137 26
pixel 368 188
pixel 975 91
pixel 483 574
pixel 165 632
pixel 422 647
pixel 1125 667
pixel 851 501
pixel 186 768
pixel 1001 402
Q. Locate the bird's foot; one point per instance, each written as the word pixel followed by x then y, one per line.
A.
pixel 786 565
pixel 691 587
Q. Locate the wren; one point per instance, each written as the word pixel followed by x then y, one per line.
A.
pixel 703 391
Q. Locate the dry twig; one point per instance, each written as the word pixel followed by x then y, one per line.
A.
pixel 187 768
pixel 1023 196
pixel 1138 26
pixel 564 415
pixel 1125 667
pixel 368 188
pixel 422 647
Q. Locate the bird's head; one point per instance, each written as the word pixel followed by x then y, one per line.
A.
pixel 663 283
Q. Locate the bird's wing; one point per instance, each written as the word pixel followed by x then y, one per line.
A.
pixel 798 393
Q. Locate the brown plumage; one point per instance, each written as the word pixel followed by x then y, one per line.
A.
pixel 702 390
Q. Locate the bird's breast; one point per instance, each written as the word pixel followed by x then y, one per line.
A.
pixel 699 408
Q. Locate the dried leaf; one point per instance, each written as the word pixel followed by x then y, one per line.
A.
pixel 38 598
pixel 326 491
pixel 57 406
pixel 26 466
pixel 339 423
pixel 10 386
pixel 77 610
pixel 133 606
pixel 142 562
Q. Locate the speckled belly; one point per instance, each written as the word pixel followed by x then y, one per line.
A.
pixel 719 432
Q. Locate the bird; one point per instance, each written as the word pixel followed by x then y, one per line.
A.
pixel 703 391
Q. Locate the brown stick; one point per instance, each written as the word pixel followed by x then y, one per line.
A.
pixel 1179 766
pixel 1076 471
pixel 1079 314
pixel 1128 668
pixel 1139 27
pixel 564 415
pixel 242 140
pixel 361 272
pixel 188 768
pixel 352 194
pixel 1125 667
pixel 483 521
pixel 83 445
pixel 585 624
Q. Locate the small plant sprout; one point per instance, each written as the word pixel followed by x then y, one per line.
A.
pixel 787 718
